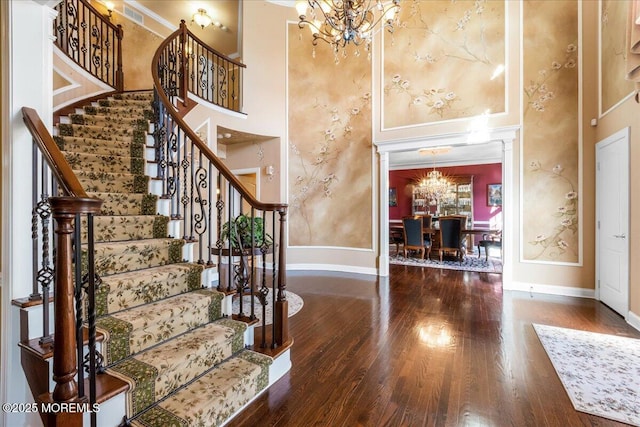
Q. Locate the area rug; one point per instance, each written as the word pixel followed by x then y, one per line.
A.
pixel 601 373
pixel 294 300
pixel 469 263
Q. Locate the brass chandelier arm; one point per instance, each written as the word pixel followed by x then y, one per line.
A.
pixel 346 21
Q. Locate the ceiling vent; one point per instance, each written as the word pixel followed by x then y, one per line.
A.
pixel 134 15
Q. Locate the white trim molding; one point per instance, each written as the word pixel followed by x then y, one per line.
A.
pixel 333 267
pixel 633 319
pixel 506 135
pixel 539 288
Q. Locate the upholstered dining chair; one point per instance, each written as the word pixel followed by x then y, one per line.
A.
pixel 490 241
pixel 451 236
pixel 426 220
pixel 414 238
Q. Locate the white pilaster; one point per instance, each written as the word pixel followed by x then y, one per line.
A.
pixel 29 73
pixel 383 261
pixel 508 202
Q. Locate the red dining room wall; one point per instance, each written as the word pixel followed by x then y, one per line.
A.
pixel 483 175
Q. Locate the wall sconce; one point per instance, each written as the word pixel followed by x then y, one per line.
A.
pixel 110 6
pixel 269 170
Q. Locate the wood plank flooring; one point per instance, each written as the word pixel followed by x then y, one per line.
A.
pixel 424 347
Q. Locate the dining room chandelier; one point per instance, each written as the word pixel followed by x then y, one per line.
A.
pixel 340 22
pixel 433 186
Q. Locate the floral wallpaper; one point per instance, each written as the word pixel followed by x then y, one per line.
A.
pixel 444 62
pixel 550 148
pixel 613 24
pixel 330 166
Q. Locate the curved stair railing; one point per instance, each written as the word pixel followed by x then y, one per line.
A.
pixel 90 40
pixel 206 196
pixel 58 194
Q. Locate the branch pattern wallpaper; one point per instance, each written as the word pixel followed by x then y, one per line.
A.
pixel 550 132
pixel 330 150
pixel 445 61
pixel 613 21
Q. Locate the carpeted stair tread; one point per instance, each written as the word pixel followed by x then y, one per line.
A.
pixel 113 102
pixel 113 228
pixel 131 255
pixel 158 371
pixel 130 331
pixel 146 95
pixel 100 146
pixel 123 134
pixel 145 112
pixel 123 291
pixel 126 204
pixel 104 162
pixel 110 122
pixel 214 397
pixel 105 182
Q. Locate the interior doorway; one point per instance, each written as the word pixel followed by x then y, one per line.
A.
pixel 504 137
pixel 250 179
pixel 612 221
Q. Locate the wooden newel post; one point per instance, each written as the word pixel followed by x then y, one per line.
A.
pixel 184 56
pixel 64 346
pixel 120 72
pixel 65 365
pixel 282 305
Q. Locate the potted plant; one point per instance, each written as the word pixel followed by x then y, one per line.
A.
pixel 239 230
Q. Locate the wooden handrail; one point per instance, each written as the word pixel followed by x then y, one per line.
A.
pixel 210 155
pixel 52 154
pixel 212 50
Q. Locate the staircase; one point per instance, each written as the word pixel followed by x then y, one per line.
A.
pixel 167 333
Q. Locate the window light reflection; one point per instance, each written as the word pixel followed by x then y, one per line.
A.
pixel 435 336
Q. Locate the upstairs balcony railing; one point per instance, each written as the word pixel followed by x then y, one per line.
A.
pixel 247 245
pixel 203 71
pixel 90 40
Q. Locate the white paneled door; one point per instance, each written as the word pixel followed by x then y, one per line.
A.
pixel 612 221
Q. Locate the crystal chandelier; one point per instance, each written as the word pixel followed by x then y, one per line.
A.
pixel 340 22
pixel 433 186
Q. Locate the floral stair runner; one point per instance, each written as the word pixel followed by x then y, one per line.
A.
pixel 164 332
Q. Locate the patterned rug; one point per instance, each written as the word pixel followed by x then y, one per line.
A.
pixel 601 373
pixel 295 304
pixel 469 263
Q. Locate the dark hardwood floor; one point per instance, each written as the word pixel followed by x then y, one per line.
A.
pixel 425 347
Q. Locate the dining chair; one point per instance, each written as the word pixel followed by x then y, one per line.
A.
pixel 490 241
pixel 414 238
pixel 451 236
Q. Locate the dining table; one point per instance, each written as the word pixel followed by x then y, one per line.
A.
pixel 397 229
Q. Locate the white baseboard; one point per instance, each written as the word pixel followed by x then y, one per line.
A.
pixel 633 319
pixel 549 289
pixel 333 267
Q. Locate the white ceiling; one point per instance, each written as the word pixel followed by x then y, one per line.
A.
pixel 466 154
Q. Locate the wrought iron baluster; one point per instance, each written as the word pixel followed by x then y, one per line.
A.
pixel 35 288
pixel 184 200
pixel 273 284
pixel 200 219
pixel 45 273
pixel 219 242
pixel 77 258
pixel 210 218
pixel 264 290
pixel 192 175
